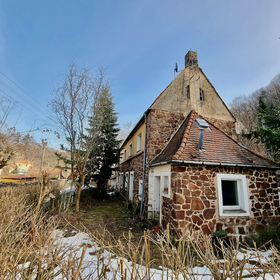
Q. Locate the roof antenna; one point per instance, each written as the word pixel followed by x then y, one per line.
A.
pixel 175 69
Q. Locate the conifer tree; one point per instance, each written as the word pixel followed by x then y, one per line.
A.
pixel 268 128
pixel 105 153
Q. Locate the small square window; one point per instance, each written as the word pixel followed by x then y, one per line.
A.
pixel 233 195
pixel 230 193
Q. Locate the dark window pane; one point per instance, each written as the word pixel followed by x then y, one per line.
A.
pixel 201 94
pixel 230 193
pixel 188 92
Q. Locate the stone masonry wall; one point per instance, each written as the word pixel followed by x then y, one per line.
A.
pixel 161 125
pixel 195 200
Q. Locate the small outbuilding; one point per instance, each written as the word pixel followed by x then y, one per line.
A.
pixel 205 180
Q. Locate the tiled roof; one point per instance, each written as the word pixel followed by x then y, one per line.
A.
pixel 50 171
pixel 16 176
pixel 218 148
pixel 24 160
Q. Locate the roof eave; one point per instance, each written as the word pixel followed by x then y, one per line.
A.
pixel 213 164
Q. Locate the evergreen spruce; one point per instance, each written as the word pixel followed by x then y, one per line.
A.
pixel 268 128
pixel 104 156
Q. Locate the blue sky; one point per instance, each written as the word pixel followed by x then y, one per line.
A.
pixel 138 42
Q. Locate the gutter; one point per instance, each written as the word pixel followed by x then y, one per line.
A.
pixel 135 127
pixel 144 165
pixel 212 163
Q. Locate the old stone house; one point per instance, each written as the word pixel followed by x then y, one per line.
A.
pixel 188 191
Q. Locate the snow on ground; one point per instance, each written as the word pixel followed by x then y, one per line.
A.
pixel 95 258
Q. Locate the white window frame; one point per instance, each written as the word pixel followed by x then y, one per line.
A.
pixel 164 181
pixel 126 180
pixel 140 187
pixel 166 185
pixel 130 149
pixel 242 209
pixel 120 180
pixel 139 140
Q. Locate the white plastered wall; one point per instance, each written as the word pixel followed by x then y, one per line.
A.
pixel 155 191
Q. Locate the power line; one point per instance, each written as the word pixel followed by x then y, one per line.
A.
pixel 24 91
pixel 17 94
pixel 21 105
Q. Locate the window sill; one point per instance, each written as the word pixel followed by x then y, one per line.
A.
pixel 235 212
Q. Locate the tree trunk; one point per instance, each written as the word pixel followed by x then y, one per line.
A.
pixel 79 190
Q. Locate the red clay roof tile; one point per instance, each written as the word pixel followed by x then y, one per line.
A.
pixel 217 147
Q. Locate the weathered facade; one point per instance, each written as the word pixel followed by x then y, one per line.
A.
pixel 184 184
pixel 193 203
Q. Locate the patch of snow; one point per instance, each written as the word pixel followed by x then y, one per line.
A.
pixel 96 257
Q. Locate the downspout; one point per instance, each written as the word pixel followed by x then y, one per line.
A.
pixel 144 165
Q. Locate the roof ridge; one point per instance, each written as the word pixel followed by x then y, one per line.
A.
pixel 191 117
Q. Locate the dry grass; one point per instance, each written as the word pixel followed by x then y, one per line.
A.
pixel 28 244
pixel 29 250
pixel 182 258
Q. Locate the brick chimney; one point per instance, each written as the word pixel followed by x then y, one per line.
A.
pixel 191 59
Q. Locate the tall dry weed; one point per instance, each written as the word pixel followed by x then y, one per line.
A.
pixel 29 249
pixel 28 243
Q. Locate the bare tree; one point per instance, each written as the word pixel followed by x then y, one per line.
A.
pixel 74 100
pixel 126 129
pixel 8 141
